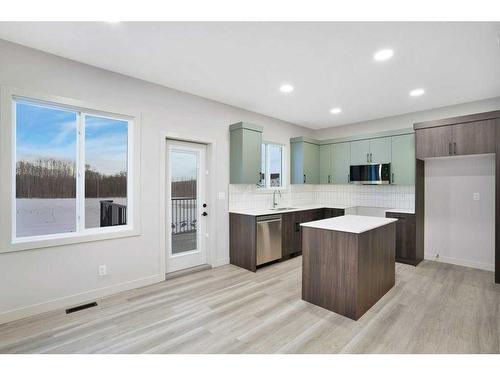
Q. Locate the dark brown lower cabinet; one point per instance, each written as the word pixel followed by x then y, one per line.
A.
pixel 406 248
pixel 242 234
pixel 333 212
pixel 292 231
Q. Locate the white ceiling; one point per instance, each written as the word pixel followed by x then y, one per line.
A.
pixel 330 64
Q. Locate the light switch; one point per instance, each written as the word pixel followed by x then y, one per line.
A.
pixel 221 195
pixel 476 196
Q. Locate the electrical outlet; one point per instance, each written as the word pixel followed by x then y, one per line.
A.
pixel 476 196
pixel 103 270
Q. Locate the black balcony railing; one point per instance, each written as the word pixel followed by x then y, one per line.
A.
pixel 113 214
pixel 183 215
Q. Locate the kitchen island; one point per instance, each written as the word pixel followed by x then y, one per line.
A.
pixel 348 262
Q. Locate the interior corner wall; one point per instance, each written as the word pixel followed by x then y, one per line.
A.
pixel 43 279
pixel 457 227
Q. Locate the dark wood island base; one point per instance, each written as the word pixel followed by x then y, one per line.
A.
pixel 348 273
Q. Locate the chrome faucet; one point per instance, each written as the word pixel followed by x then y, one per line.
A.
pixel 274 198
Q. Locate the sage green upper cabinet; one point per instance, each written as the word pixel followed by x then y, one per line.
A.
pixel 366 151
pixel 403 159
pixel 360 152
pixel 304 161
pixel 245 142
pixel 341 162
pixel 325 164
pixel 380 150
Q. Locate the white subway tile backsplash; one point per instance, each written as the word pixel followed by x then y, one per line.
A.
pixel 389 196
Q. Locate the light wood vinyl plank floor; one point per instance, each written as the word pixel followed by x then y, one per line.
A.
pixel 433 308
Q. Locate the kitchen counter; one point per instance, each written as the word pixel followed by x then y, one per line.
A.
pixel 350 223
pixel 294 208
pixel 401 211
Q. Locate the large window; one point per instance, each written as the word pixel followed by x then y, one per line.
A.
pixel 271 171
pixel 71 170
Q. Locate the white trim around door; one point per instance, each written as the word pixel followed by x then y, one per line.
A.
pixel 186 205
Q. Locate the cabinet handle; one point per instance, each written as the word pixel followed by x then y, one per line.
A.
pixel 371 157
pixel 449 148
pixel 304 178
pixel 455 147
pixel 392 177
pixel 348 178
pixel 328 178
pixel 297 227
pixel 367 157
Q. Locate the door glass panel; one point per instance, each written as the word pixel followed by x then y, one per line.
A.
pixel 184 175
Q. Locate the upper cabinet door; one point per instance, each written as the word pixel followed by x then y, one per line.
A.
pixel 341 161
pixel 403 159
pixel 325 164
pixel 433 142
pixel 380 150
pixel 311 163
pixel 245 153
pixel 474 138
pixel 360 152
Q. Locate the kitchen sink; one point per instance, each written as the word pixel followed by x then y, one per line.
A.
pixel 282 208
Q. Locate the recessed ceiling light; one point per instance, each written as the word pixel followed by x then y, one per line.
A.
pixel 286 88
pixel 335 111
pixel 383 54
pixel 417 92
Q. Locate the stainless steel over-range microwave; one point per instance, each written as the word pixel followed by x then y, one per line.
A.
pixel 370 174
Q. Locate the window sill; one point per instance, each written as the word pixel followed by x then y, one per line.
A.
pixel 40 242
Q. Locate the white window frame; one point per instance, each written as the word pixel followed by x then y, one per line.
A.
pixel 267 175
pixel 9 242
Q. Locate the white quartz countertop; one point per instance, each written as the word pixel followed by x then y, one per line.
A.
pixel 350 223
pixel 401 211
pixel 292 208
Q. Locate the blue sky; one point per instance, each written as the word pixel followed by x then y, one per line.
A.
pixel 44 132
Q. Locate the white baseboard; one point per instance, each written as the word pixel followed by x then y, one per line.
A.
pixel 461 262
pixel 221 262
pixel 76 299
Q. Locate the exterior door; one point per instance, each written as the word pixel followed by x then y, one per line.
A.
pixel 186 205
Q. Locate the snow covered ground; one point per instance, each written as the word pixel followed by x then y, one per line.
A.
pixel 36 217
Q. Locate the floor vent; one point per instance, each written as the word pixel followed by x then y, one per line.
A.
pixel 81 307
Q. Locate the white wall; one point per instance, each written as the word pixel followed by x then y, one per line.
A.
pixel 461 230
pixel 38 280
pixel 407 120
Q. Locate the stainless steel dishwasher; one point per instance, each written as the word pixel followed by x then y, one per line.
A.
pixel 268 238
